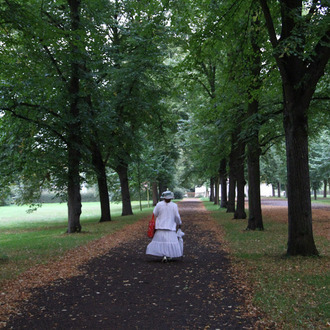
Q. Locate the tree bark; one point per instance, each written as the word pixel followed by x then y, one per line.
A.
pixel 255 214
pixel 240 208
pixel 154 193
pixel 232 176
pixel 162 187
pixel 101 174
pixel 216 194
pixel 74 196
pixel 122 170
pixel 253 146
pixel 212 189
pixel 104 197
pixel 223 182
pixel 300 239
pixel 74 155
pixel 325 182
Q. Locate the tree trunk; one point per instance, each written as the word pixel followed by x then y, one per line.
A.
pixel 216 195
pixel 232 176
pixel 101 174
pixel 122 170
pixel 300 241
pixel 325 182
pixel 231 194
pixel 162 188
pixel 74 197
pixel 154 193
pixel 278 189
pixel 255 213
pixel 74 144
pixel 240 208
pixel 223 182
pixel 212 190
pixel 104 197
pixel 74 158
pixel 253 146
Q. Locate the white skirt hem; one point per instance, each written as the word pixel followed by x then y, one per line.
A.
pixel 165 243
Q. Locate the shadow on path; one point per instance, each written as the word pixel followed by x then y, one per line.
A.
pixel 125 289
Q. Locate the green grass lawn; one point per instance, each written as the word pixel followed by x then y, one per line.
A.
pixel 27 239
pixel 321 200
pixel 294 292
pixel 56 213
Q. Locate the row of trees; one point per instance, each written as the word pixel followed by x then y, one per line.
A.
pixel 257 77
pixel 82 91
pixel 89 88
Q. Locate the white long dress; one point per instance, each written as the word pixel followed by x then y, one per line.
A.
pixel 166 242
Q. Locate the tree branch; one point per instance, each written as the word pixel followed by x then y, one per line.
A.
pixel 321 98
pixel 319 60
pixel 205 87
pixel 36 106
pixel 54 63
pixel 38 123
pixel 311 11
pixel 52 20
pixel 267 140
pixel 269 23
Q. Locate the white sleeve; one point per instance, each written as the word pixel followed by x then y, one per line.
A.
pixel 177 215
pixel 156 210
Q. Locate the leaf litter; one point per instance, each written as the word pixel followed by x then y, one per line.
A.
pixel 198 287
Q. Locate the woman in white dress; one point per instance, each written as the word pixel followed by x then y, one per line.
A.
pixel 165 242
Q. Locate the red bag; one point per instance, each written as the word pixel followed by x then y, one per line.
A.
pixel 151 227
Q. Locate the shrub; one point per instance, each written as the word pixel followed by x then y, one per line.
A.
pixel 178 193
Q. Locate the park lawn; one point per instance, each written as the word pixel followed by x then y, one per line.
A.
pixel 292 291
pixel 321 200
pixel 28 239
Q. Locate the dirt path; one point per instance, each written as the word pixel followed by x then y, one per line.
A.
pixel 125 289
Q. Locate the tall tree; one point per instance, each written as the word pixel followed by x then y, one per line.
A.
pixel 74 134
pixel 300 40
pixel 48 94
pixel 137 87
pixel 253 144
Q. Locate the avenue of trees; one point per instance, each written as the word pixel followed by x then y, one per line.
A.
pixel 166 94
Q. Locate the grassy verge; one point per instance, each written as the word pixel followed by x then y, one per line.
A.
pixel 293 292
pixel 30 239
pixel 321 200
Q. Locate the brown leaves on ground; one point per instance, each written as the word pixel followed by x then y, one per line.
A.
pixel 206 222
pixel 208 290
pixel 19 290
pixel 16 291
pixel 321 217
